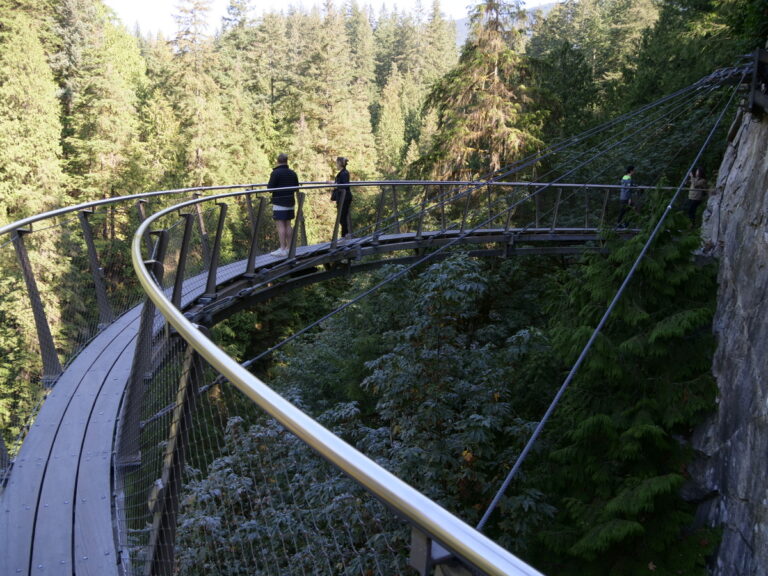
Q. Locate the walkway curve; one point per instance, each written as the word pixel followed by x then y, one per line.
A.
pixel 58 509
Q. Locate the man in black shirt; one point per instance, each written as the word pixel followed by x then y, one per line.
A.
pixel 283 202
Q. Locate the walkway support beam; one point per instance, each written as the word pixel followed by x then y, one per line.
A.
pixel 51 363
pixel 128 450
pixel 106 316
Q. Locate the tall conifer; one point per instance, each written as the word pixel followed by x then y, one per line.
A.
pixel 484 113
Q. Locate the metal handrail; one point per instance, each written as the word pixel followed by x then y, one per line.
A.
pixel 107 201
pixel 445 528
pixel 261 187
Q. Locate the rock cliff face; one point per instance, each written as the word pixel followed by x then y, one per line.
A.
pixel 733 470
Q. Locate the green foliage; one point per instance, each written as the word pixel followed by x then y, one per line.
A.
pixel 441 393
pixel 581 53
pixel 620 434
pixel 692 38
pixel 266 485
pixel 485 120
pixel 30 171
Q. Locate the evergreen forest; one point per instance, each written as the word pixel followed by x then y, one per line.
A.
pixel 443 392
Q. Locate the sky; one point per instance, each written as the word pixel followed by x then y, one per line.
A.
pixel 157 15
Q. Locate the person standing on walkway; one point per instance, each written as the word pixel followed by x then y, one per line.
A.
pixel 625 195
pixel 283 202
pixel 697 193
pixel 342 195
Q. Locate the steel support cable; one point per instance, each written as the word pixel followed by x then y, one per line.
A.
pixel 679 110
pixel 420 261
pixel 250 362
pixel 682 110
pixel 421 512
pixel 257 394
pixel 663 115
pixel 578 138
pixel 567 143
pixel 427 257
pixel 681 106
pixel 580 360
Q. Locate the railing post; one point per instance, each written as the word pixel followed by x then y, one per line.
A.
pixel 5 463
pixel 249 207
pixel 395 208
pixel 51 364
pixel 442 209
pixel 302 222
pixel 466 211
pixel 106 316
pixel 203 231
pixel 128 447
pixel 178 283
pixel 295 234
pixel 213 267
pixel 253 251
pixel 586 207
pixel 164 498
pixel 536 203
pixel 605 207
pixel 427 555
pixel 510 212
pixel 141 208
pixel 379 209
pixel 490 205
pixel 557 208
pixel 420 226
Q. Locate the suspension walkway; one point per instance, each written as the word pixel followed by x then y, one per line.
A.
pixel 132 379
pixel 62 498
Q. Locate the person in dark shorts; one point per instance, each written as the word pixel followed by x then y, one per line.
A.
pixel 283 202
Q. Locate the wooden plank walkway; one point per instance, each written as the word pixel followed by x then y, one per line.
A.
pixel 56 511
pixel 56 514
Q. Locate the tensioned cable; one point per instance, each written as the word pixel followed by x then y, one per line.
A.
pixel 608 146
pixel 443 200
pixel 681 147
pixel 516 167
pixel 420 261
pixel 568 142
pixel 601 324
pixel 664 114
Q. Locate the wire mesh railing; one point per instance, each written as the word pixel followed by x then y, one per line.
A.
pixel 191 249
pixel 214 463
pixel 64 276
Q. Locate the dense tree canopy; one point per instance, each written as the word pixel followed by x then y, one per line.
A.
pixel 443 392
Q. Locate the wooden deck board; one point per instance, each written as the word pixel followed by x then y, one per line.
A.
pixel 22 500
pixel 56 511
pixel 94 550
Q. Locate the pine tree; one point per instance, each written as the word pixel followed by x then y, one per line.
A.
pixel 244 97
pixel 29 122
pixel 621 431
pixel 690 39
pixel 31 182
pixel 390 131
pixel 362 50
pixel 100 67
pixel 586 52
pixel 197 100
pixel 484 117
